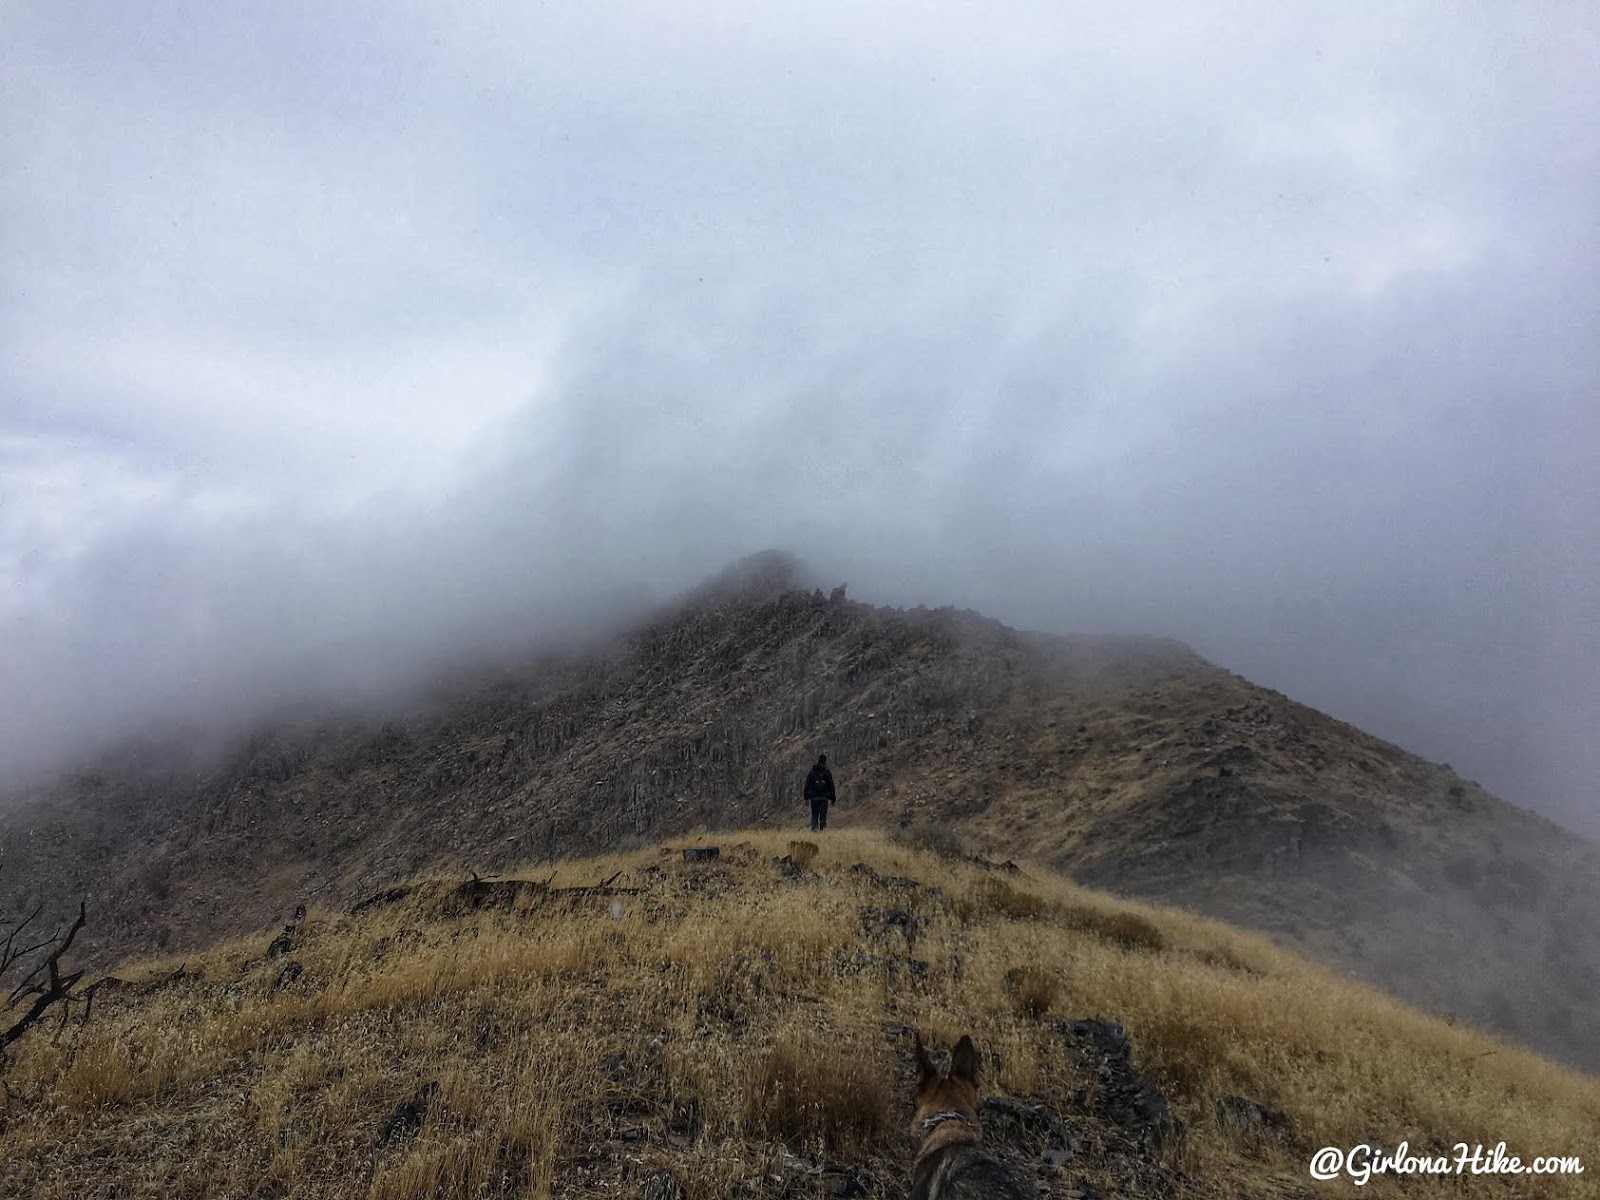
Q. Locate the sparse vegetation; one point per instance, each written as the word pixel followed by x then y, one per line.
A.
pixel 740 1028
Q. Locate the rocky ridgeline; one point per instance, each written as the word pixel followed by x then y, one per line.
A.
pixel 705 717
pixel 1129 763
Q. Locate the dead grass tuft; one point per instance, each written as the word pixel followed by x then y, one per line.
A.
pixel 1126 929
pixel 997 898
pixel 815 1093
pixel 100 1073
pixel 1033 990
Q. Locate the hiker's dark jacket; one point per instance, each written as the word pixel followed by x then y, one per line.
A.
pixel 819 784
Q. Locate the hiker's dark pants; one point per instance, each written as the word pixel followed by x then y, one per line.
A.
pixel 819 812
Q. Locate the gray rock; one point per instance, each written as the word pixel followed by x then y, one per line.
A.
pixel 1124 1095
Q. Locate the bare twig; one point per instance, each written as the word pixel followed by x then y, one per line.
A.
pixel 7 956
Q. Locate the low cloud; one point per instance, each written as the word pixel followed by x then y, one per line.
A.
pixel 322 376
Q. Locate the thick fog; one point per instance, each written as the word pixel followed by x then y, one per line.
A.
pixel 339 342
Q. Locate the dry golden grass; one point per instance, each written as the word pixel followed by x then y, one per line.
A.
pixel 726 1019
pixel 803 854
pixel 1034 989
pixel 815 1090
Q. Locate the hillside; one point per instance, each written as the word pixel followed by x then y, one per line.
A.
pixel 740 1028
pixel 1128 763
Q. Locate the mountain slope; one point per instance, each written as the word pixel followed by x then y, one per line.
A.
pixel 742 1028
pixel 1131 763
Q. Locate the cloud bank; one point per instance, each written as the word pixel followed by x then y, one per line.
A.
pixel 338 345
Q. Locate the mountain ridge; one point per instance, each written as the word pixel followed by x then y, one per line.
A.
pixel 1129 763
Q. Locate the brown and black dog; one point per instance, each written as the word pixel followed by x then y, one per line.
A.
pixel 952 1164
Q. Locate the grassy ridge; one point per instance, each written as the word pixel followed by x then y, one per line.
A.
pixel 739 1023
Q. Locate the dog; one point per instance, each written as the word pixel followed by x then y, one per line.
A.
pixel 952 1164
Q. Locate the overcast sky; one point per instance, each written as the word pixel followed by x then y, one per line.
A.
pixel 335 339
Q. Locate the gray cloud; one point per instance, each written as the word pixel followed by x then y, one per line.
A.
pixel 337 345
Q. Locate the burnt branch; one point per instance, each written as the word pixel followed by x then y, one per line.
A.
pixel 45 982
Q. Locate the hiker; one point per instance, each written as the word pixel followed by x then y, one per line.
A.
pixel 819 790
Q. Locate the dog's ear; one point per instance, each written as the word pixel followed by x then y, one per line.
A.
pixel 926 1071
pixel 964 1061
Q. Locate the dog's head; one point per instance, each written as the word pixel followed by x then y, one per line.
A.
pixel 938 1093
